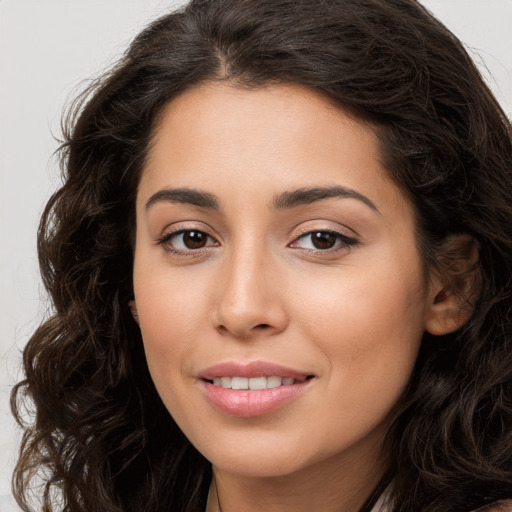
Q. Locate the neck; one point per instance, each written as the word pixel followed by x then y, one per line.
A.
pixel 332 486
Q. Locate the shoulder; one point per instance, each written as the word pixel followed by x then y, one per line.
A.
pixel 499 506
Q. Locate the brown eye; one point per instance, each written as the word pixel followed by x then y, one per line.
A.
pixel 323 239
pixel 194 239
pixel 187 240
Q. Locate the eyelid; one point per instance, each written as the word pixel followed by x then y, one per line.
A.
pixel 310 227
pixel 186 225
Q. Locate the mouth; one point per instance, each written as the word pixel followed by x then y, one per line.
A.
pixel 256 383
pixel 254 389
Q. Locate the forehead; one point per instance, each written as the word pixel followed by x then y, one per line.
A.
pixel 276 138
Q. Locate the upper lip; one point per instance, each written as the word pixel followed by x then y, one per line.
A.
pixel 252 369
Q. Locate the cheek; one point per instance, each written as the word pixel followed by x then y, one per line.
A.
pixel 171 308
pixel 369 327
pixel 369 341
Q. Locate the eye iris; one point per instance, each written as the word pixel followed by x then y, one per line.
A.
pixel 323 240
pixel 194 239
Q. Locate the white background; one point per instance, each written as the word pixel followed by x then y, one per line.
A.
pixel 47 48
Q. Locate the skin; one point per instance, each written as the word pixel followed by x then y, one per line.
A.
pixel 352 315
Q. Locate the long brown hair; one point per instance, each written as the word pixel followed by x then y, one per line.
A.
pixel 99 438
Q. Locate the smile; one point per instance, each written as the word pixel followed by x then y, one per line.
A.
pixel 255 383
pixel 254 389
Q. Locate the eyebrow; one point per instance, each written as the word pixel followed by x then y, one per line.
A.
pixel 309 195
pixel 285 200
pixel 186 196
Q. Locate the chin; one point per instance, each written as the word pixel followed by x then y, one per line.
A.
pixel 266 466
pixel 265 456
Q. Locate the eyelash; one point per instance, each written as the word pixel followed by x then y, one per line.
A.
pixel 342 240
pixel 342 243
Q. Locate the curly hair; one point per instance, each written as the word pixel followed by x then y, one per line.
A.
pixel 99 437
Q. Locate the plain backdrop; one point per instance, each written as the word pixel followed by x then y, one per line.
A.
pixel 47 49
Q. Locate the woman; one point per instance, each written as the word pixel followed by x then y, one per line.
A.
pixel 280 264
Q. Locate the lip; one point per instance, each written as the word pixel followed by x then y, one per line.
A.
pixel 245 403
pixel 252 369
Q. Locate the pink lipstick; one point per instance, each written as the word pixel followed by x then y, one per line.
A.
pixel 254 389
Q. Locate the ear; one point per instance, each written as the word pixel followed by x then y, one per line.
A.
pixel 455 285
pixel 133 310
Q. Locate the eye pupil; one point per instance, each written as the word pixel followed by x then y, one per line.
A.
pixel 323 240
pixel 194 239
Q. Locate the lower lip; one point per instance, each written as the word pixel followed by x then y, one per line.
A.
pixel 246 403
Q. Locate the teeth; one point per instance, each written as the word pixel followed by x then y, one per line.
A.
pixel 255 382
pixel 274 382
pixel 239 383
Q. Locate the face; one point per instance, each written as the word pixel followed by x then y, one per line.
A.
pixel 272 251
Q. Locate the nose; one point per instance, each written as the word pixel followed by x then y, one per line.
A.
pixel 250 297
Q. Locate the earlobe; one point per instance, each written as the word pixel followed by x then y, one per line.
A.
pixel 448 314
pixel 455 287
pixel 133 310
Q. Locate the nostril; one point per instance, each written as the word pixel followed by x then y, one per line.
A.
pixel 244 330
